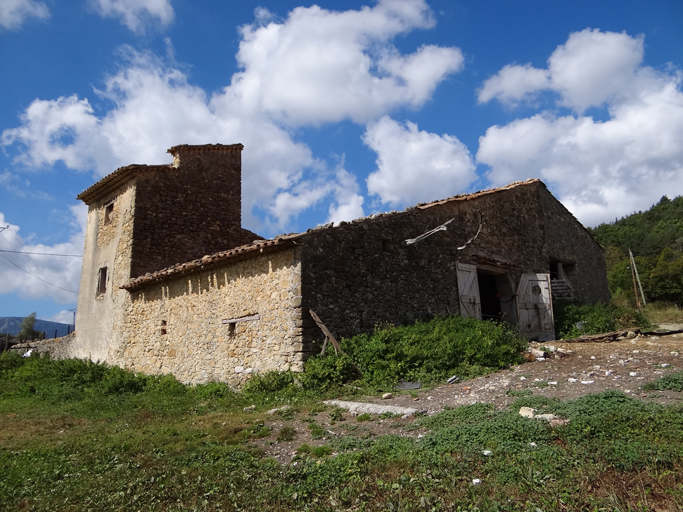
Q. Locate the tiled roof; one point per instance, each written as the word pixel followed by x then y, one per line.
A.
pixel 114 180
pixel 281 241
pixel 205 148
pixel 257 247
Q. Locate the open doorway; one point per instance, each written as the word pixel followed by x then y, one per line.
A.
pixel 489 296
pixel 486 294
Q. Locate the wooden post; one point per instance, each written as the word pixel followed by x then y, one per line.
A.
pixel 634 270
pixel 633 275
pixel 327 333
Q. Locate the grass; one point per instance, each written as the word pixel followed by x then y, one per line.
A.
pixel 663 313
pixel 81 436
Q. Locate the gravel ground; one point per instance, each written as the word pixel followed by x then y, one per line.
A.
pixel 582 369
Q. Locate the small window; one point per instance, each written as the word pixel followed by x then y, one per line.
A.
pixel 108 213
pixel 102 281
pixel 163 327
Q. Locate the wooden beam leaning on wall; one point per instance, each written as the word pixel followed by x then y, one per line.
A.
pixel 327 333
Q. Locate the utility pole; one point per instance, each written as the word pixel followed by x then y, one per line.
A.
pixel 636 278
pixel 74 322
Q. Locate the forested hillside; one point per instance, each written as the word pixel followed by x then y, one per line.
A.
pixel 656 239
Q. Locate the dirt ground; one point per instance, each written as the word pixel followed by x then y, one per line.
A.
pixel 583 368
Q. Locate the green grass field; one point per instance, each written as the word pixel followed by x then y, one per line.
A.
pixel 79 436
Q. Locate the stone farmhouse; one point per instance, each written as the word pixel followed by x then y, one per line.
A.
pixel 172 283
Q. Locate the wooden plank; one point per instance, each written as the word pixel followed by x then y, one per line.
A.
pixel 326 332
pixel 249 318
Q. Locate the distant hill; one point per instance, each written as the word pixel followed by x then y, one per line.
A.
pixel 12 325
pixel 656 238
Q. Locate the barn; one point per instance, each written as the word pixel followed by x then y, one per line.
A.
pixel 172 283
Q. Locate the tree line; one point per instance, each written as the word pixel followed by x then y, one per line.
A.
pixel 655 237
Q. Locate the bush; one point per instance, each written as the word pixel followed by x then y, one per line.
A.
pixel 673 382
pixel 434 350
pixel 268 383
pixel 328 372
pixel 595 319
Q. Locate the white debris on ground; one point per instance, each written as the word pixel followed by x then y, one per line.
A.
pixel 363 408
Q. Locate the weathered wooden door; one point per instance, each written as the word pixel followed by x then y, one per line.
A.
pixel 468 291
pixel 535 307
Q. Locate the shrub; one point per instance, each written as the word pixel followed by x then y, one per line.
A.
pixel 286 433
pixel 673 382
pixel 328 371
pixel 434 350
pixel 595 319
pixel 270 382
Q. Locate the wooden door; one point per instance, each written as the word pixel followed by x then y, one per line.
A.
pixel 468 291
pixel 535 307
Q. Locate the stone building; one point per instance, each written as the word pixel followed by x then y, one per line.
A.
pixel 171 283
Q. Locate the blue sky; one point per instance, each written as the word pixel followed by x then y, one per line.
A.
pixel 344 108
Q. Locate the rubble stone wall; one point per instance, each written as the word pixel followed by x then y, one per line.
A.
pixel 176 325
pixel 360 274
pixel 583 259
pixel 188 210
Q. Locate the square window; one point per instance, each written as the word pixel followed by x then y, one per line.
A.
pixel 102 281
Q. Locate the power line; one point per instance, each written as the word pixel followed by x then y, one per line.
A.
pixel 44 253
pixel 27 259
pixel 29 273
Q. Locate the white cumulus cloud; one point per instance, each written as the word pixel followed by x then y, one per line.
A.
pixel 599 169
pixel 414 165
pixel 321 66
pixel 135 14
pixel 316 66
pixel 13 13
pixel 34 276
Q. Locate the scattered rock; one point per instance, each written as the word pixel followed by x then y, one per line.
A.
pixel 250 408
pixel 360 408
pixel 633 374
pixel 572 380
pixel 487 453
pixel 536 352
pixel 631 334
pixel 476 481
pixel 387 396
pixel 587 381
pixel 546 417
pixel 278 409
pixel 527 412
pixel 533 445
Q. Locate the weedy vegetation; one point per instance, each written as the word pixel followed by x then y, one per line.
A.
pixel 77 435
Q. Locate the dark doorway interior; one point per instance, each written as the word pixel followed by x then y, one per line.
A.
pixel 489 296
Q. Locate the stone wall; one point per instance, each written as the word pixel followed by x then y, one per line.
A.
pixel 188 209
pixel 583 259
pixel 363 273
pixel 176 325
pixel 106 245
pixel 58 348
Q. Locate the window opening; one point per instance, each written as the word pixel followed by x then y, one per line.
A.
pixel 102 280
pixel 108 213
pixel 163 327
pixel 557 270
